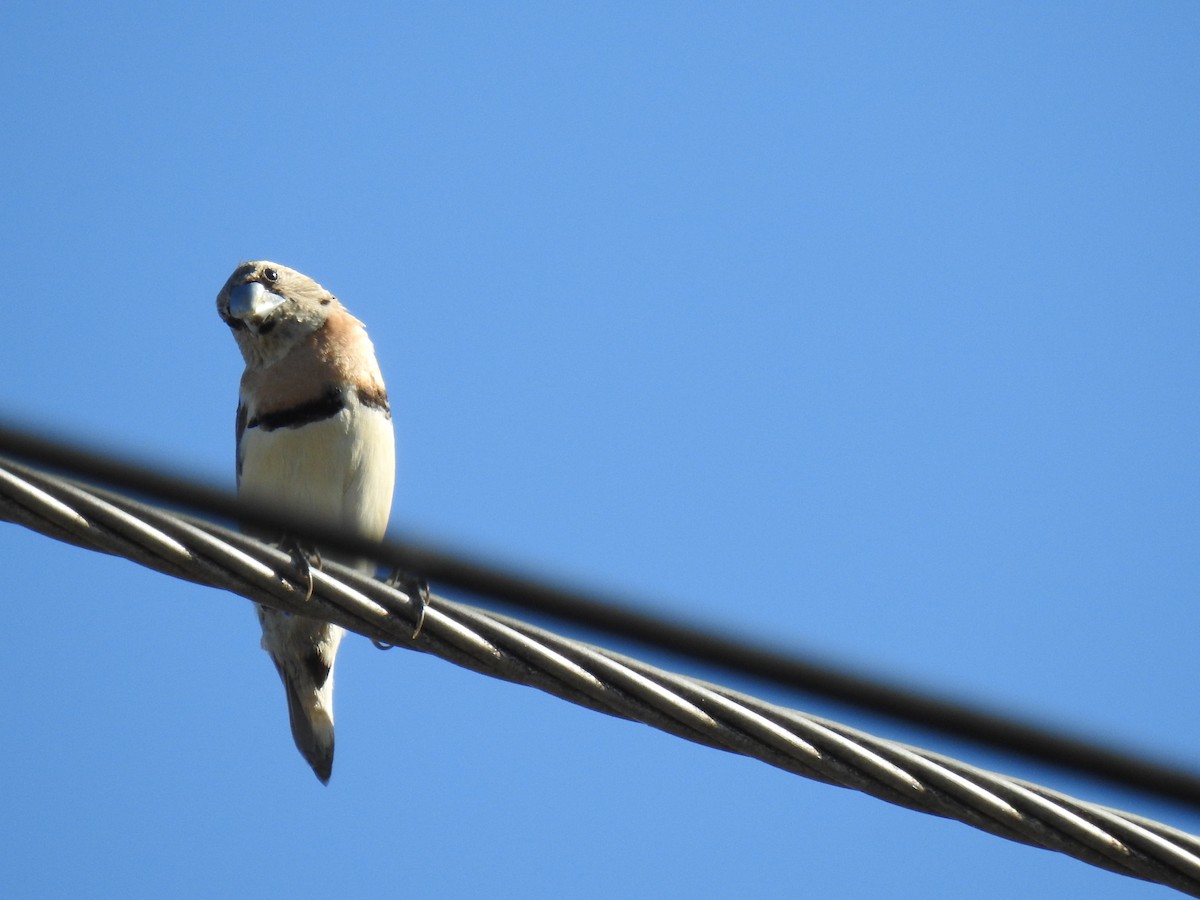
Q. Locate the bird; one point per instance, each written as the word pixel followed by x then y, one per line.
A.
pixel 314 439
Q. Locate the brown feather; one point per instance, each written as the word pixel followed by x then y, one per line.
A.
pixel 337 354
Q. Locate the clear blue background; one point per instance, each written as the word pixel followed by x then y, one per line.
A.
pixel 866 329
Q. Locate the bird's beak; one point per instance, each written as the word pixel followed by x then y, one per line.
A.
pixel 251 303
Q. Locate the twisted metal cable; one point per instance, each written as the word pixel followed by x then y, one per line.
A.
pixel 599 679
pixel 615 618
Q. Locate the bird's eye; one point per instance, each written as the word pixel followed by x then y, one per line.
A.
pixel 271 275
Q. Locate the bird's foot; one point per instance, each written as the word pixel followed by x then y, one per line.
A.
pixel 417 589
pixel 306 559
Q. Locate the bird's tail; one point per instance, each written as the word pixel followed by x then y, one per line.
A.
pixel 312 726
pixel 304 652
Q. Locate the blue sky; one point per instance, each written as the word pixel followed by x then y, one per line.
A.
pixel 865 329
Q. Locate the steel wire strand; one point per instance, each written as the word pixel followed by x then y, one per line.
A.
pixel 620 620
pixel 599 679
pixel 923 781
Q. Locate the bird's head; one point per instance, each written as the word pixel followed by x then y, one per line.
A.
pixel 270 308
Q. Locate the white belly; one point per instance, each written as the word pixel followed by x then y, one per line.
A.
pixel 340 470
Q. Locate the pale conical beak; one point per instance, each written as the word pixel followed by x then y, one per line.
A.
pixel 251 303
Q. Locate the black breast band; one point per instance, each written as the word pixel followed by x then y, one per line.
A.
pixel 324 407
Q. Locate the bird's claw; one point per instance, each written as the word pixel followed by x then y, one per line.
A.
pixel 417 589
pixel 306 560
